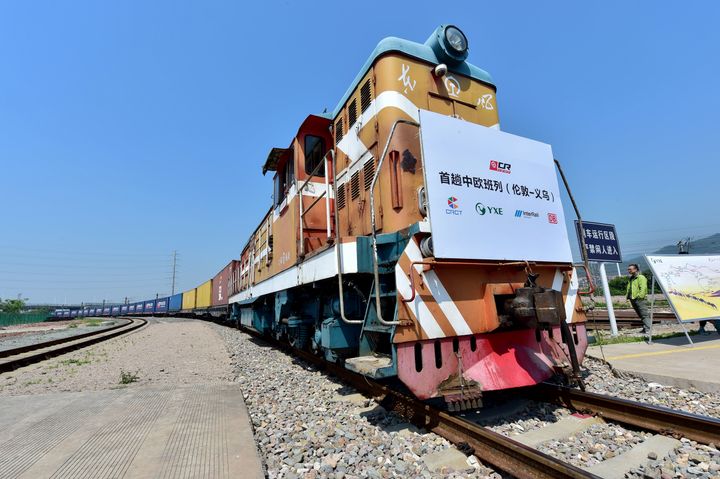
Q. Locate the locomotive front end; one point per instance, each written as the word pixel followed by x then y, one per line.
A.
pixel 486 288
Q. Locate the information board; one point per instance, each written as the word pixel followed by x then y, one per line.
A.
pixel 691 284
pixel 601 241
pixel 491 195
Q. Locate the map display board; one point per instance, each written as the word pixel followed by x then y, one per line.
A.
pixel 491 195
pixel 691 284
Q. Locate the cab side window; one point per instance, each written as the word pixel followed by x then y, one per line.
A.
pixel 314 155
pixel 284 180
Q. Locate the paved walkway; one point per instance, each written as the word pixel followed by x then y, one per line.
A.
pixel 199 431
pixel 672 362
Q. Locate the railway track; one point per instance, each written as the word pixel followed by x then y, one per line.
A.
pixel 11 359
pixel 505 453
pixel 598 319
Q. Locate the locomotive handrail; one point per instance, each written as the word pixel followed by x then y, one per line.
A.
pixel 324 194
pixel 337 250
pixel 583 250
pixel 376 270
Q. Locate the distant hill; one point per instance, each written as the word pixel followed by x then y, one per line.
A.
pixel 709 245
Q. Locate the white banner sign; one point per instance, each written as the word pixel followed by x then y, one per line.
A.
pixel 491 195
pixel 691 284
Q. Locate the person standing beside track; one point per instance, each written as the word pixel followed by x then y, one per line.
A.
pixel 637 294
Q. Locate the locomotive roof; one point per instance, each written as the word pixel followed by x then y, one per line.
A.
pixel 422 51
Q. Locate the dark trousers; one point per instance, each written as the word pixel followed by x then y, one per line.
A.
pixel 642 309
pixel 716 323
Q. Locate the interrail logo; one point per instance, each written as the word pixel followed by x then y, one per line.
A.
pixel 483 210
pixel 499 166
pixel 526 214
pixel 453 206
pixel 552 218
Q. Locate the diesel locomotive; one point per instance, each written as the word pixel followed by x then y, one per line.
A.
pixel 410 238
pixel 343 262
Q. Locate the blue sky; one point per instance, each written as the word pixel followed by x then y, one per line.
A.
pixel 132 129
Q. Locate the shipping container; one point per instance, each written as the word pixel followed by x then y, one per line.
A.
pixel 203 294
pixel 74 313
pixel 115 310
pixel 149 307
pixel 220 285
pixel 175 302
pixel 66 314
pixel 106 311
pixel 188 300
pixel 131 309
pixel 161 305
pixel 124 309
pixel 235 278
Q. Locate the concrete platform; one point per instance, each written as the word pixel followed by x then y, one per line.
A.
pixel 671 362
pixel 199 431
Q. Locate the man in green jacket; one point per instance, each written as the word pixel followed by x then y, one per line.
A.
pixel 637 294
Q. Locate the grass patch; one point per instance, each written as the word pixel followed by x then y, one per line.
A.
pixel 659 303
pixel 30 383
pixel 93 322
pixel 76 362
pixel 127 377
pixel 73 325
pixel 605 340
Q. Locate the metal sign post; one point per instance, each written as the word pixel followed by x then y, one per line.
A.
pixel 608 300
pixel 601 245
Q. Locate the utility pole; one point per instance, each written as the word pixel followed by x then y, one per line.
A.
pixel 173 276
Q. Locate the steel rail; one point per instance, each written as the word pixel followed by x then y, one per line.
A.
pixel 23 359
pixel 658 419
pixel 490 447
pixel 46 344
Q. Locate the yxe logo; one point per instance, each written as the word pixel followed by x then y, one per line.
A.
pixel 499 166
pixel 453 206
pixel 526 214
pixel 483 210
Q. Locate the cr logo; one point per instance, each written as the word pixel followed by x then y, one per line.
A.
pixel 453 86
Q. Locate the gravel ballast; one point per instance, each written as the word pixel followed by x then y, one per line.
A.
pixel 604 380
pixel 308 425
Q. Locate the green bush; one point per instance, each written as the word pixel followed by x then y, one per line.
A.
pixel 618 285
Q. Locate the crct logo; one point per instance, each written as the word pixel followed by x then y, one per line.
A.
pixel 483 210
pixel 453 206
pixel 499 166
pixel 552 218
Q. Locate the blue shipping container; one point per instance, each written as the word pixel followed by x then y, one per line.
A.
pixel 115 310
pixel 161 305
pixel 175 302
pixel 149 306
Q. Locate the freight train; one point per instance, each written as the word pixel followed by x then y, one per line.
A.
pixel 409 237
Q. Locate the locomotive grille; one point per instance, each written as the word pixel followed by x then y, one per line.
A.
pixel 341 196
pixel 338 131
pixel 352 113
pixel 368 172
pixel 365 96
pixel 355 185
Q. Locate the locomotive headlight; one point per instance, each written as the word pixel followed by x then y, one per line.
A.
pixel 456 39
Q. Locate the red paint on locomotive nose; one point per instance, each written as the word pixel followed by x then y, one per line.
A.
pixel 501 360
